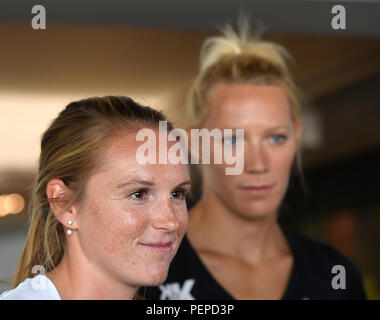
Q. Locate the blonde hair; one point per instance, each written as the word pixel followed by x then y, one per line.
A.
pixel 71 150
pixel 239 57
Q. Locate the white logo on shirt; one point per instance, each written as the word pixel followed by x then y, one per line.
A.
pixel 173 291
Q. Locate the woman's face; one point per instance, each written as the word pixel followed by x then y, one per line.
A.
pixel 270 143
pixel 133 217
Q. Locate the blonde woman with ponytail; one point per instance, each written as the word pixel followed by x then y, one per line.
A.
pixel 101 224
pixel 235 247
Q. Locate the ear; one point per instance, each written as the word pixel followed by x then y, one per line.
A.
pixel 59 197
pixel 195 154
pixel 298 131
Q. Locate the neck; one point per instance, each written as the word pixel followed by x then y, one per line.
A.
pixel 216 228
pixel 76 278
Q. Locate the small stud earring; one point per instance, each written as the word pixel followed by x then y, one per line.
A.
pixel 70 222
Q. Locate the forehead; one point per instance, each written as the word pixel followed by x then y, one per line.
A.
pixel 120 160
pixel 245 104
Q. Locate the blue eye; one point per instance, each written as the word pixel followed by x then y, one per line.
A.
pixel 230 140
pixel 278 138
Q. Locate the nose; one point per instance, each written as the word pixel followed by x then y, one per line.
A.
pixel 165 217
pixel 256 158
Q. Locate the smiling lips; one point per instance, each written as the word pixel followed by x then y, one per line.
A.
pixel 159 246
pixel 258 190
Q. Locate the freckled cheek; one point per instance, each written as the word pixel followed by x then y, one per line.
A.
pixel 183 219
pixel 123 232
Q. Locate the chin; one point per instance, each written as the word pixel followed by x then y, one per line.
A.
pixel 156 276
pixel 257 211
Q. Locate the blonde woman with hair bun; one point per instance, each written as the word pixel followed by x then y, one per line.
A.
pixel 101 224
pixel 235 247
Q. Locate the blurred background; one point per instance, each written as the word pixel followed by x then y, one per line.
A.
pixel 149 50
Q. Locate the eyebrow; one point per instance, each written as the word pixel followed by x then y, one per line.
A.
pixel 147 183
pixel 134 182
pixel 228 128
pixel 187 182
pixel 271 128
pixel 278 128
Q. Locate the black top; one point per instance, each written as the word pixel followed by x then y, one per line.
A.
pixel 312 275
